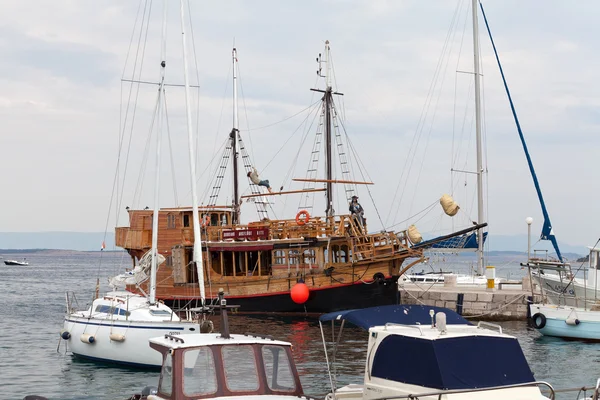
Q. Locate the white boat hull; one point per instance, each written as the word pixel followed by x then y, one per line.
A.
pixel 133 350
pixel 582 324
pixel 575 293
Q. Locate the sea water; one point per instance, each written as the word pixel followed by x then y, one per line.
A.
pixel 33 360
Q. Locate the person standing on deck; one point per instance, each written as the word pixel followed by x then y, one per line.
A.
pixel 357 211
pixel 253 175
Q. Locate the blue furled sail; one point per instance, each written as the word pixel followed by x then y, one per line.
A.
pixel 464 240
pixel 547 233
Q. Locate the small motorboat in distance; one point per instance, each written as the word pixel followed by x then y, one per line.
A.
pixel 14 262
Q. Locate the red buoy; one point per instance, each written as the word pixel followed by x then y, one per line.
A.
pixel 299 293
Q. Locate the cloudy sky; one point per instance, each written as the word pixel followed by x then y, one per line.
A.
pixel 403 66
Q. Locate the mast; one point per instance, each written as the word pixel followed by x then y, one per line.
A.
pixel 233 137
pixel 154 264
pixel 480 217
pixel 327 104
pixel 197 257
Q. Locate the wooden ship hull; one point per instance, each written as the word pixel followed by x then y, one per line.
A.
pixel 258 264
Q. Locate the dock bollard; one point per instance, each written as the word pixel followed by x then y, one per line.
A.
pixel 490 274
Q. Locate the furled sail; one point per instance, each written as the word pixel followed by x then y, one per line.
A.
pixel 449 205
pixel 414 235
pixel 139 274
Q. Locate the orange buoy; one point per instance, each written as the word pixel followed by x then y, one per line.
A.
pixel 299 293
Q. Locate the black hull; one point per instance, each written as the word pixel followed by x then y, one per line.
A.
pixel 336 298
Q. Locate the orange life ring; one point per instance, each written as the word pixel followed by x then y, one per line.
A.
pixel 300 221
pixel 205 221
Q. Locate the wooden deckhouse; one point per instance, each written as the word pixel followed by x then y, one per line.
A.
pixel 258 263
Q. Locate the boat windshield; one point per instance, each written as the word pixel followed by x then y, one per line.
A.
pixel 241 370
pixel 165 385
pixel 199 375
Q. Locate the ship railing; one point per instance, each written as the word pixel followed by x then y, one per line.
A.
pixel 542 385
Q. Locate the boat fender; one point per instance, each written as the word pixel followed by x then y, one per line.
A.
pixel 117 337
pixel 572 321
pixel 379 277
pixel 87 338
pixel 65 335
pixel 538 320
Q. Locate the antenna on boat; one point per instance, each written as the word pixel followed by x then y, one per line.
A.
pixel 477 76
pixel 197 257
pixel 161 88
pixel 233 135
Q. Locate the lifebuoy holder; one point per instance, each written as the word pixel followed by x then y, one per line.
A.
pixel 300 220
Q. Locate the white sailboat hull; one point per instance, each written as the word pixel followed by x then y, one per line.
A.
pixel 133 350
pixel 575 294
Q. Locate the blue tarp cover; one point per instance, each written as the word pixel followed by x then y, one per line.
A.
pixel 397 314
pixel 454 363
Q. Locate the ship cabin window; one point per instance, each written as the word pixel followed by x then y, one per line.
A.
pixel 240 263
pixel 186 220
pixel 170 221
pixel 340 254
pixel 279 257
pixel 199 375
pixel 224 219
pixel 241 372
pixel 309 257
pixel 293 257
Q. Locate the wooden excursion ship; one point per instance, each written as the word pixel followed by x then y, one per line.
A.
pixel 258 264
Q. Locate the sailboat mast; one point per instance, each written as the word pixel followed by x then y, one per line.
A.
pixel 197 257
pixel 328 151
pixel 480 216
pixel 233 137
pixel 154 263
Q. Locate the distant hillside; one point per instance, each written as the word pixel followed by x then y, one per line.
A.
pixel 81 241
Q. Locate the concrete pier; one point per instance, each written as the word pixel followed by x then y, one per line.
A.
pixel 507 302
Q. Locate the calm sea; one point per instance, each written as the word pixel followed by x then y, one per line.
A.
pixel 33 303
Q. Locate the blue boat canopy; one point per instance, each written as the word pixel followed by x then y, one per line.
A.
pixel 396 314
pixel 452 363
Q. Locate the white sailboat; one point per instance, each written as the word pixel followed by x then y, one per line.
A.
pixel 117 326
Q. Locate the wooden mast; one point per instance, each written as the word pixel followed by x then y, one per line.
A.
pixel 327 104
pixel 233 137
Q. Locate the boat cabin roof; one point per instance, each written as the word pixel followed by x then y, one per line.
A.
pixel 397 314
pixel 212 339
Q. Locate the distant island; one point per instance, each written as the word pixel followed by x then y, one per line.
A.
pixel 92 241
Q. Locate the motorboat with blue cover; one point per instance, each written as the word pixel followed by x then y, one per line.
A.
pixel 432 352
